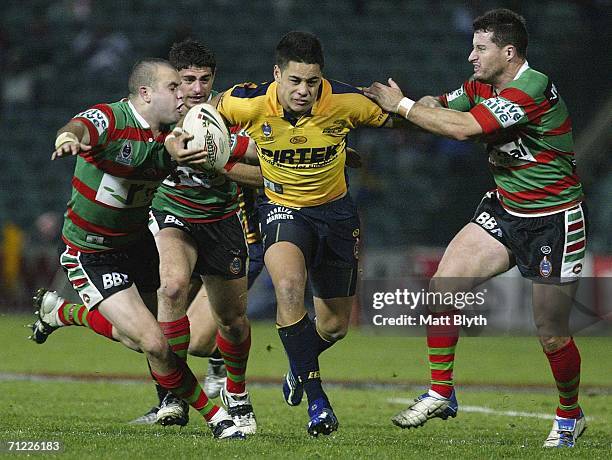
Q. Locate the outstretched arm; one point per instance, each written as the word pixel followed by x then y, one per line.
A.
pixel 71 139
pixel 426 113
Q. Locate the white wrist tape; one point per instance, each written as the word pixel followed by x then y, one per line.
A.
pixel 64 138
pixel 406 104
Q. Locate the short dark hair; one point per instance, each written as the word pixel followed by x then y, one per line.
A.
pixel 508 27
pixel 299 47
pixel 144 73
pixel 191 53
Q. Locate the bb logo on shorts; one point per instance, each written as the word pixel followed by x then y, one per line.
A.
pixel 235 266
pixel 114 279
pixel 545 267
pixel 577 268
pixel 545 249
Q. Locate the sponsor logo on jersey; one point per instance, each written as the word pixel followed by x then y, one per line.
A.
pixel 545 267
pixel 314 157
pixel 235 266
pixel 513 153
pixel 125 154
pixel 266 129
pixel 121 193
pixel 337 127
pixel 455 94
pixel 551 93
pixel 276 188
pixel 506 112
pixel 96 239
pixel 298 140
pixel 96 117
pixel 545 249
pixel 279 213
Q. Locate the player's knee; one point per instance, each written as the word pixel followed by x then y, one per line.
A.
pixel 236 327
pixel 552 344
pixel 173 289
pixel 333 329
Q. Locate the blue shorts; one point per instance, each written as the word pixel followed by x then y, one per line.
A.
pixel 327 235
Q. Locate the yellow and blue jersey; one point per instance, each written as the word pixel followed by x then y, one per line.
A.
pixel 302 160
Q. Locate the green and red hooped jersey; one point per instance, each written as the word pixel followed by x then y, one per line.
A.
pixel 114 183
pixel 528 132
pixel 200 197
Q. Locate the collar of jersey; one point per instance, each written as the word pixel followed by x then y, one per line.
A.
pixel 274 107
pixel 524 67
pixel 138 117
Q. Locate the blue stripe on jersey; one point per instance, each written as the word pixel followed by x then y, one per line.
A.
pixel 250 92
pixel 342 88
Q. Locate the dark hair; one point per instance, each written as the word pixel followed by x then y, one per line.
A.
pixel 191 53
pixel 508 27
pixel 299 47
pixel 144 73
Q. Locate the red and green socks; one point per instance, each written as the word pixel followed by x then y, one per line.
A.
pixel 178 334
pixel 565 366
pixel 74 314
pixel 236 357
pixel 442 339
pixel 184 385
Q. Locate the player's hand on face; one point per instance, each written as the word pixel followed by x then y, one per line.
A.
pixel 388 97
pixel 176 145
pixel 353 158
pixel 69 148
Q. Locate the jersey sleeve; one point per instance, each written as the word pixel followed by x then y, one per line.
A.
pixel 239 144
pixel 512 107
pixel 369 113
pixel 98 120
pixel 458 99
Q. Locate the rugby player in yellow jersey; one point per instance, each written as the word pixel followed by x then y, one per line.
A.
pixel 309 223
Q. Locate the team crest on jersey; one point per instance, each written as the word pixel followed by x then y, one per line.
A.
pixel 266 129
pixel 235 266
pixel 125 154
pixel 545 267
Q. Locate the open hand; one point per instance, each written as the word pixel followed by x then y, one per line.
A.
pixel 388 97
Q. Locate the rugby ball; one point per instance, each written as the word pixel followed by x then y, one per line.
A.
pixel 210 134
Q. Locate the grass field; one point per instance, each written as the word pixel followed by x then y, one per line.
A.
pixel 373 376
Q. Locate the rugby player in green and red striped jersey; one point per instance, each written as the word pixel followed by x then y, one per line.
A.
pixel 535 218
pixel 197 228
pixel 110 256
